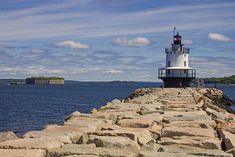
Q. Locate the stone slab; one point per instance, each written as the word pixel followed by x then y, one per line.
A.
pixel 73 149
pixel 188 131
pixel 31 143
pixel 202 142
pixel 22 153
pixel 9 135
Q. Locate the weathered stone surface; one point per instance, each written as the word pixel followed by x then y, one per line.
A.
pixel 228 139
pixel 228 126
pixel 231 151
pixel 117 114
pixel 185 116
pixel 81 156
pixel 187 131
pixel 140 135
pixel 92 123
pixel 194 124
pixel 73 115
pixel 202 142
pixel 94 111
pixel 116 101
pixel 135 123
pixel 72 149
pixel 145 138
pixel 163 154
pixel 22 153
pixel 66 134
pixel 9 135
pixel 32 143
pixel 114 142
pixel 189 150
pixel 220 116
pixel 41 134
pixel 156 131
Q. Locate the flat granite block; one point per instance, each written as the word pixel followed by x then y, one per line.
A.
pixel 22 153
pixel 73 149
pixel 31 143
pixel 202 142
pixel 9 135
pixel 188 131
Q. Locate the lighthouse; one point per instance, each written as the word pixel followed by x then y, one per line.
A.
pixel 177 72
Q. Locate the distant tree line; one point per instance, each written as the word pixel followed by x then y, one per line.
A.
pixel 221 80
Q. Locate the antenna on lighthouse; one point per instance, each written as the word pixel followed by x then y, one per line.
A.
pixel 174 31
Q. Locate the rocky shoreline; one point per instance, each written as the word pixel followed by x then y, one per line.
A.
pixel 151 122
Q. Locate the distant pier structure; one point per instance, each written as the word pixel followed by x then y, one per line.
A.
pixel 177 72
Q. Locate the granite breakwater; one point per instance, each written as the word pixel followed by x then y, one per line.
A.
pixel 151 122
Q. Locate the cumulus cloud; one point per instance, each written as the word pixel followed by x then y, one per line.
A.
pixel 187 41
pixel 114 71
pixel 72 44
pixel 139 41
pixel 219 37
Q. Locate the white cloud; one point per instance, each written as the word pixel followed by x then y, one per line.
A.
pixel 187 41
pixel 72 44
pixel 32 70
pixel 139 41
pixel 114 71
pixel 42 21
pixel 219 37
pixel 35 70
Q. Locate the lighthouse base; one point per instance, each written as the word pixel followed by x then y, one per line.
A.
pixel 176 82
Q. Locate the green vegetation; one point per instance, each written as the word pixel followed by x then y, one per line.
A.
pixel 222 80
pixel 46 78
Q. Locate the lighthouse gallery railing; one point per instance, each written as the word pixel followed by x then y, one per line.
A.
pixel 181 73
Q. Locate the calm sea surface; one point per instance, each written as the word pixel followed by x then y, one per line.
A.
pixel 29 107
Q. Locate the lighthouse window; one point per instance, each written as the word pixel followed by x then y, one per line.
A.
pixel 168 72
pixel 185 63
pixel 169 63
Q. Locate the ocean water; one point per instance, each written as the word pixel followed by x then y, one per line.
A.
pixel 31 107
pixel 228 90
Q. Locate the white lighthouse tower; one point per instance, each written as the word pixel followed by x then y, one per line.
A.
pixel 177 72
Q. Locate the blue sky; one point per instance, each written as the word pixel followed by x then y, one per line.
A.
pixel 103 40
